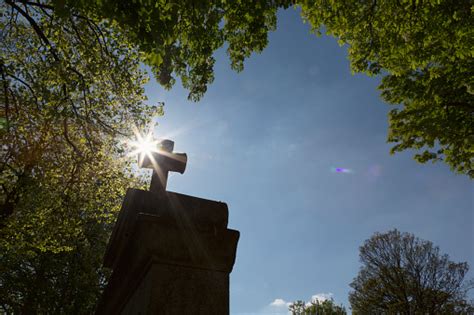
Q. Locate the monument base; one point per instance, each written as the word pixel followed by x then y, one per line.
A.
pixel 167 289
pixel 170 254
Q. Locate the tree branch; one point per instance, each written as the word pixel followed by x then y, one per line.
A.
pixel 25 84
pixel 37 4
pixel 66 136
pixel 36 27
pixel 91 26
pixel 7 103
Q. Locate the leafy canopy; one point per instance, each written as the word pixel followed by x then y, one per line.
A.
pixel 179 37
pixel 71 86
pixel 71 89
pixel 424 50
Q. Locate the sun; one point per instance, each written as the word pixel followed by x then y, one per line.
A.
pixel 143 145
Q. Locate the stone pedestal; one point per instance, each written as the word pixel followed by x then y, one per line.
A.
pixel 170 254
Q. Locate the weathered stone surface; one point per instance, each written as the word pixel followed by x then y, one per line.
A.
pixel 170 254
pixel 172 208
pixel 169 289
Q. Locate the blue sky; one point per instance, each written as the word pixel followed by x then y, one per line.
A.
pixel 264 141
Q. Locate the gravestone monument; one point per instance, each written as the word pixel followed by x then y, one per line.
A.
pixel 170 253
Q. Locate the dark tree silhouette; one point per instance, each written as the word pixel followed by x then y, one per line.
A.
pixel 402 274
pixel 327 307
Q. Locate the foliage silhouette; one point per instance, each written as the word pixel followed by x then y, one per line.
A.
pixel 326 307
pixel 402 274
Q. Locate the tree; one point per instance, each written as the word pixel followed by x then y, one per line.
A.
pixel 424 50
pixel 66 97
pixel 316 307
pixel 74 62
pixel 402 274
pixel 65 282
pixel 71 90
pixel 180 37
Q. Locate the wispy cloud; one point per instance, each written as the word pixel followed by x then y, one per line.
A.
pixel 277 307
pixel 280 303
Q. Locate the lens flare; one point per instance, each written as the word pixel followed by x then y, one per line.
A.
pixel 340 170
pixel 143 145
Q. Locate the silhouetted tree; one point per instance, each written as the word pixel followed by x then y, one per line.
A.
pixel 316 307
pixel 402 274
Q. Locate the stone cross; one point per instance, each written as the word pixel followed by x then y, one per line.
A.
pixel 162 161
pixel 170 253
